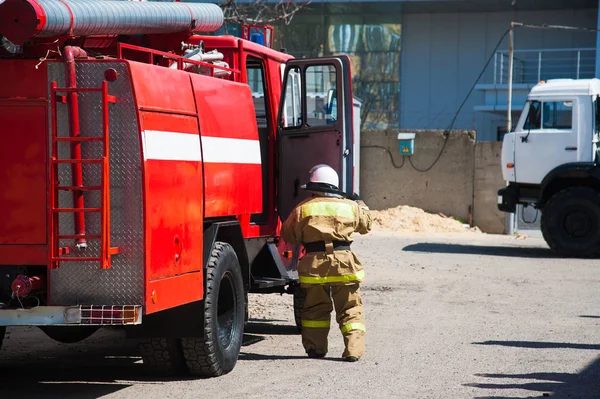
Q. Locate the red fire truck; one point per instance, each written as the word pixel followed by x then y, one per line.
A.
pixel 145 170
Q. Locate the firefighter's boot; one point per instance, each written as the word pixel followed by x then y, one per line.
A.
pixel 316 317
pixel 350 317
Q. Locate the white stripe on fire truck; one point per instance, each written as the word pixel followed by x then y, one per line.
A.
pixel 227 150
pixel 176 146
pixel 171 146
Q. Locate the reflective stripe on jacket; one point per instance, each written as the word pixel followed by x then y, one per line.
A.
pixel 327 219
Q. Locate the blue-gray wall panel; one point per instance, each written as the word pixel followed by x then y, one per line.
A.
pixel 443 54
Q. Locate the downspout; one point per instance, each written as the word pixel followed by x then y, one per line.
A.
pixel 512 218
pixel 70 53
pixel 597 74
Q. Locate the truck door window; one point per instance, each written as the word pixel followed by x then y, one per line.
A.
pixel 293 100
pixel 256 82
pixel 255 71
pixel 557 115
pixel 321 104
pixel 534 116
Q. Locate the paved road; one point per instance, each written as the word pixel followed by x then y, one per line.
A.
pixel 454 316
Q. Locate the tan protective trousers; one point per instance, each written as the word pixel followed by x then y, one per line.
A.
pixel 316 317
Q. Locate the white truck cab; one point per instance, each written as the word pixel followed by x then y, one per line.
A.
pixel 550 161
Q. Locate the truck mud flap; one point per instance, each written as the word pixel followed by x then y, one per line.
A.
pixel 507 199
pixel 268 271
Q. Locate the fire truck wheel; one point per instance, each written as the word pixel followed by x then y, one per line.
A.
pixel 299 300
pixel 2 332
pixel 217 352
pixel 162 356
pixel 69 335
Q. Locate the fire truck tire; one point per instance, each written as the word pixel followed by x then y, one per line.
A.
pixel 571 222
pixel 2 332
pixel 224 311
pixel 69 335
pixel 162 356
pixel 299 300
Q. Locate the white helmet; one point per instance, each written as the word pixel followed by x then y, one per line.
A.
pixel 324 174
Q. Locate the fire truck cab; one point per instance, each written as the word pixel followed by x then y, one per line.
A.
pixel 146 170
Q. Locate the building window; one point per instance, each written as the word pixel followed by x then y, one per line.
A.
pixel 370 34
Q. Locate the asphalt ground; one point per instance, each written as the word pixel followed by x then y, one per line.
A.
pixel 448 316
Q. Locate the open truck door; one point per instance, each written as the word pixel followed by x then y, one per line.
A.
pixel 315 126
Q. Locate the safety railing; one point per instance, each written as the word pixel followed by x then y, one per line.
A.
pixel 533 65
pixel 182 63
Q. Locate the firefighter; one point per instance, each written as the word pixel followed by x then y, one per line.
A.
pixel 324 224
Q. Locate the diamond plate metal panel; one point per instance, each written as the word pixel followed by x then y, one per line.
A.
pixel 85 282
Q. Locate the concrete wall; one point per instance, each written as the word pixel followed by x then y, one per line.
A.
pixel 443 53
pixel 487 180
pixel 447 187
pixel 464 181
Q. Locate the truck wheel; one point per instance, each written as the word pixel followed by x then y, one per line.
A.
pixel 299 300
pixel 2 332
pixel 571 222
pixel 162 356
pixel 217 352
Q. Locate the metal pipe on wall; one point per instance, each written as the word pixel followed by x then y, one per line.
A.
pixel 70 53
pixel 597 74
pixel 511 56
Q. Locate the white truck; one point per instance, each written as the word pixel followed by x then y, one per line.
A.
pixel 551 161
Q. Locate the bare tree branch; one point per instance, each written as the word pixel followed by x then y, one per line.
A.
pixel 260 12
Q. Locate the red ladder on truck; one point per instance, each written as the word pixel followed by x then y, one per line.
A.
pixel 78 211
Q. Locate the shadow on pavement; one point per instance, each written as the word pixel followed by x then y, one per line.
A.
pixel 106 368
pixel 65 390
pixel 540 345
pixel 260 327
pixel 583 385
pixel 251 339
pixel 513 252
pixel 258 356
pixel 64 377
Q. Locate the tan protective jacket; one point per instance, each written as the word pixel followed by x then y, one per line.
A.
pixel 327 219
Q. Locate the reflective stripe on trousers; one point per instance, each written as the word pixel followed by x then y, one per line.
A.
pixel 353 326
pixel 316 323
pixel 333 279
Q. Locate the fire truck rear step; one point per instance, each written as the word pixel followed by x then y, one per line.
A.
pixel 89 315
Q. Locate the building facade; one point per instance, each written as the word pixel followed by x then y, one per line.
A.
pixel 416 61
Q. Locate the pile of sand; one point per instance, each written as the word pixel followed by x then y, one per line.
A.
pixel 409 219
